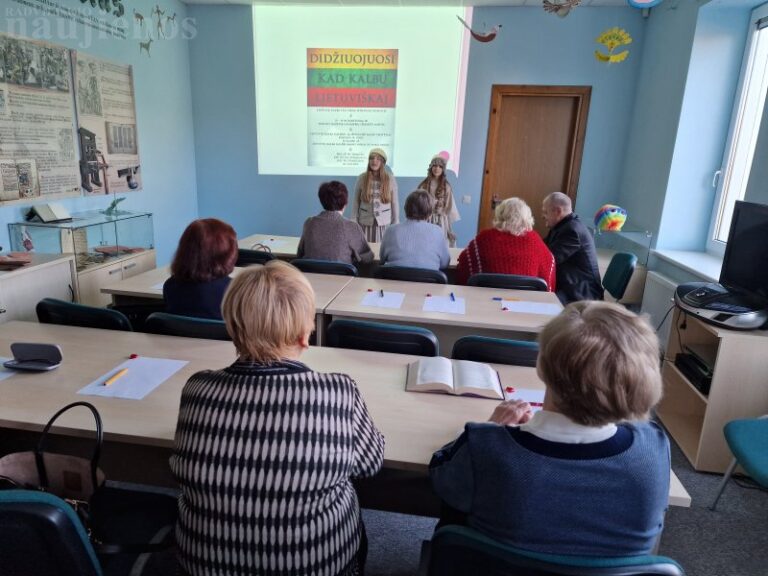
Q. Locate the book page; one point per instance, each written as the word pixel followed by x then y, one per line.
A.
pixel 476 379
pixel 430 375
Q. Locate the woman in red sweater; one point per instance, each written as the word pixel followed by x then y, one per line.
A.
pixel 510 247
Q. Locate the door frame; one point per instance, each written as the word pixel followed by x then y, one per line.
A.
pixel 581 94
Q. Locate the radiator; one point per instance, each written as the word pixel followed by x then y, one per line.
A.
pixel 657 300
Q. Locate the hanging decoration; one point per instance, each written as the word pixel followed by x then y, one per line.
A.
pixel 613 38
pixel 481 36
pixel 643 3
pixel 610 217
pixel 560 7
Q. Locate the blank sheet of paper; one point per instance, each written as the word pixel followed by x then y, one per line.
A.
pixel 444 304
pixel 534 397
pixel 531 307
pixel 144 375
pixel 158 286
pixel 388 300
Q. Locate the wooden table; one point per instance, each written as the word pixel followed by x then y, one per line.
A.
pixel 147 287
pixel 483 317
pixel 414 425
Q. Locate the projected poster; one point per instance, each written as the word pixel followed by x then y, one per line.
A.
pixel 351 100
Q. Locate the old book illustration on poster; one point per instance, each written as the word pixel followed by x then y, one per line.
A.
pixel 351 99
pixel 37 141
pixel 106 110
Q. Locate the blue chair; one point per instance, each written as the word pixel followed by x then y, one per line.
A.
pixel 378 337
pixel 41 534
pixel 52 311
pixel 748 440
pixel 462 551
pixel 496 350
pixel 186 326
pixel 411 274
pixel 508 281
pixel 618 274
pixel 247 257
pixel 312 266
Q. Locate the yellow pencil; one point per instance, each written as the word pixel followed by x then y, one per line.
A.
pixel 115 376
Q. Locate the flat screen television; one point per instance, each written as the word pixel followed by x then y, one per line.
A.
pixel 745 265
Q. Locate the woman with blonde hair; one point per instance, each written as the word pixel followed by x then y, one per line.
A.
pixel 375 205
pixel 444 212
pixel 266 448
pixel 510 247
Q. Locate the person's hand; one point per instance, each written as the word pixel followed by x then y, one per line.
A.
pixel 511 413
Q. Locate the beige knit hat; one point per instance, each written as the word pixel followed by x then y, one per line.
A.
pixel 437 159
pixel 378 152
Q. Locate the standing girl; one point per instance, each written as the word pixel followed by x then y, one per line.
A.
pixel 375 205
pixel 444 213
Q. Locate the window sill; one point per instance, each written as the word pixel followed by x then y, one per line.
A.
pixel 699 263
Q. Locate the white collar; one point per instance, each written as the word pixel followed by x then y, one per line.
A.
pixel 557 427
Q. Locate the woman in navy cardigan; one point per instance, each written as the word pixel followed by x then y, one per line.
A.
pixel 200 269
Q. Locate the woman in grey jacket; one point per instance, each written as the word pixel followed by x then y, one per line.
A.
pixel 375 205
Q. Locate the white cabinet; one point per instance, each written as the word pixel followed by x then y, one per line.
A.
pixel 91 280
pixel 47 276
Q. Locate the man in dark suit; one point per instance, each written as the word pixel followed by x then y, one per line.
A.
pixel 574 250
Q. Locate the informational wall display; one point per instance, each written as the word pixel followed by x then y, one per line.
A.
pixel 37 143
pixel 106 109
pixel 351 100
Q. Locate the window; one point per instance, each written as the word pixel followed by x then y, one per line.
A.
pixel 745 127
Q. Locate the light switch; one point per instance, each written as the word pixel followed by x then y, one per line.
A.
pixel 466 199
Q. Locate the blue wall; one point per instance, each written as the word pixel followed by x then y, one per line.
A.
pixel 533 48
pixel 164 114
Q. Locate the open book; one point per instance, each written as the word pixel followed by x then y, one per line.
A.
pixel 460 377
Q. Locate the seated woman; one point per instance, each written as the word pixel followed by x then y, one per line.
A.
pixel 587 475
pixel 265 448
pixel 416 242
pixel 330 236
pixel 511 247
pixel 200 269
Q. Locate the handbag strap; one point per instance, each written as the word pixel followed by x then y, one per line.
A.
pixel 40 449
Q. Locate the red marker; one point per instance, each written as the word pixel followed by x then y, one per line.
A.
pixel 510 389
pixel 133 356
pixel 370 289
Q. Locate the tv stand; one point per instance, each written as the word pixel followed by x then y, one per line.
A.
pixel 715 304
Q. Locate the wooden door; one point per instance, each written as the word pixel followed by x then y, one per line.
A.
pixel 535 143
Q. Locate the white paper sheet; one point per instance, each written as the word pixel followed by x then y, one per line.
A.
pixel 534 397
pixel 531 307
pixel 144 375
pixel 158 286
pixel 5 372
pixel 270 243
pixel 444 304
pixel 388 300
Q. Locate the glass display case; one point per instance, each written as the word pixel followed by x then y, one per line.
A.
pixel 93 237
pixel 635 241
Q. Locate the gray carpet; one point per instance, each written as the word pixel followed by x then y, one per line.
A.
pixel 731 541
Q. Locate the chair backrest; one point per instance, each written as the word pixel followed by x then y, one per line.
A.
pixel 41 534
pixel 410 274
pixel 618 274
pixel 313 266
pixel 52 311
pixel 458 550
pixel 495 350
pixel 247 257
pixel 379 337
pixel 508 281
pixel 187 326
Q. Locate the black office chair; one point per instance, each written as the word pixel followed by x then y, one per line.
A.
pixel 619 273
pixel 379 337
pixel 496 350
pixel 463 551
pixel 410 274
pixel 312 266
pixel 247 257
pixel 186 326
pixel 41 534
pixel 508 281
pixel 137 314
pixel 52 311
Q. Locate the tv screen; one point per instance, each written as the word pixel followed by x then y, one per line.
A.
pixel 745 265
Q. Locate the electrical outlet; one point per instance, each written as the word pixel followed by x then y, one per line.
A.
pixel 466 199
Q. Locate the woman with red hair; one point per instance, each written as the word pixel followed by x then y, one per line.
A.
pixel 200 269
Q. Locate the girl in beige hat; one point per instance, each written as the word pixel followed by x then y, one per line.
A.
pixel 445 213
pixel 375 205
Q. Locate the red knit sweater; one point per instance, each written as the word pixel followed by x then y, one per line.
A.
pixel 497 252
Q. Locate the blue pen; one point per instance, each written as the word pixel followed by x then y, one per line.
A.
pixel 453 298
pixel 497 298
pixel 381 293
